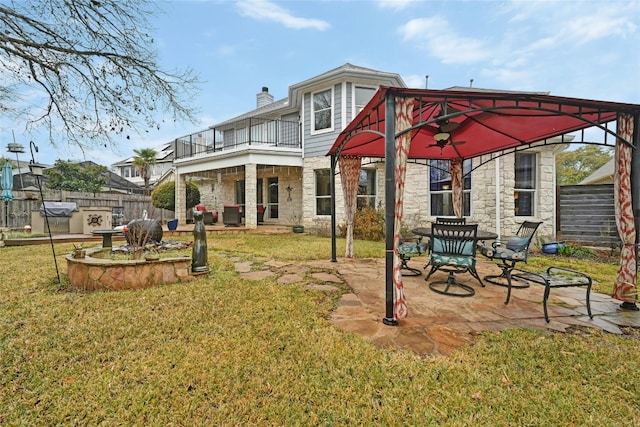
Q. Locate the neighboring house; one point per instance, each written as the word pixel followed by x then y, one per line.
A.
pixel 164 160
pixel 275 156
pixel 115 183
pixel 602 175
pixel 25 181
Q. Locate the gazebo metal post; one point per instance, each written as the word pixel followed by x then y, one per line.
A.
pixel 635 198
pixel 332 181
pixel 389 202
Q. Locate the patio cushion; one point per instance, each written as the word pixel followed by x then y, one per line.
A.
pixel 508 254
pixel 517 244
pixel 466 250
pixel 445 260
pixel 412 248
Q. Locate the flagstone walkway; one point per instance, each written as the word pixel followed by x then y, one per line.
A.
pixel 438 324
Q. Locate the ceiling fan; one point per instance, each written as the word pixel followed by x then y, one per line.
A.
pixel 443 136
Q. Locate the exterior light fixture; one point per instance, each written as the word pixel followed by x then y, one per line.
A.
pixel 441 136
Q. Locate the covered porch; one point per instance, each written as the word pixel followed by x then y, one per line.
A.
pixel 263 188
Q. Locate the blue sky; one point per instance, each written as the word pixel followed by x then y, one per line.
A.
pixel 583 49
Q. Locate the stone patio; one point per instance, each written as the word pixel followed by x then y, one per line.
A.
pixel 438 324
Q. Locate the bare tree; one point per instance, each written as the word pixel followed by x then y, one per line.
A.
pixel 87 69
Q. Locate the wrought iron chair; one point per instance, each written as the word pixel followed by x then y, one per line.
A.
pixel 450 220
pixel 508 255
pixel 445 220
pixel 453 249
pixel 408 248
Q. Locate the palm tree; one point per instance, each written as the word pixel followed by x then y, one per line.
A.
pixel 143 160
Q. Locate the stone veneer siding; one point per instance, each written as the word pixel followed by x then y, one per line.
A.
pixel 417 210
pixel 90 274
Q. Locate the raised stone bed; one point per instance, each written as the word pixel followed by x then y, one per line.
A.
pixel 89 273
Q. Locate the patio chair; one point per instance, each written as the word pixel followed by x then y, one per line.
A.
pixel 453 249
pixel 508 255
pixel 450 220
pixel 231 215
pixel 409 247
pixel 445 220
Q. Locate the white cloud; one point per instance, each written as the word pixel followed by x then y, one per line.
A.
pixel 436 36
pixel 268 11
pixel 414 81
pixel 395 4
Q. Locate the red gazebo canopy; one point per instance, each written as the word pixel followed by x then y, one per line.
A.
pixel 478 121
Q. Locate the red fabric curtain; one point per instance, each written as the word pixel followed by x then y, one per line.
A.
pixel 349 175
pixel 625 282
pixel 404 114
pixel 456 186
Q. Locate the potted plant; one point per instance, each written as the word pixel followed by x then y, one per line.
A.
pixel 296 221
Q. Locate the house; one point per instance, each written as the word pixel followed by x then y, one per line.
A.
pixel 276 156
pixel 24 180
pixel 602 175
pixel 164 164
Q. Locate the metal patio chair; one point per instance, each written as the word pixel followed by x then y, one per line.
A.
pixel 453 249
pixel 514 251
pixel 409 247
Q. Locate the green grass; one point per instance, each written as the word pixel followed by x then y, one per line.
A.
pixel 226 351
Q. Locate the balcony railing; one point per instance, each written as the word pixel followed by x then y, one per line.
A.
pixel 243 133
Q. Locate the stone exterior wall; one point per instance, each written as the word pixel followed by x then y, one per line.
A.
pixel 417 209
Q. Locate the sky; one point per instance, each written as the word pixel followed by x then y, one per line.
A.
pixel 582 49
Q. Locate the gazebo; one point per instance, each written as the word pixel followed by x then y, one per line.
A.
pixel 412 125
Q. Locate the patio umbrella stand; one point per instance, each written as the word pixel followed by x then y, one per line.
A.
pixel 7 190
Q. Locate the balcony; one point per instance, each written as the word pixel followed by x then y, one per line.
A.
pixel 246 133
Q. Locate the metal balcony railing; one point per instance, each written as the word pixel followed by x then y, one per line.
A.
pixel 248 132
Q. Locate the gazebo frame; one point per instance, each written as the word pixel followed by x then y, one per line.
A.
pixel 402 125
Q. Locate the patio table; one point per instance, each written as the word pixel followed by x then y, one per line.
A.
pixel 480 236
pixel 106 236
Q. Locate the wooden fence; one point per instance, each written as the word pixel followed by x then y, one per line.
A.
pixel 17 213
pixel 586 214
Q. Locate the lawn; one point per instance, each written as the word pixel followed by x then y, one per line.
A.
pixel 226 351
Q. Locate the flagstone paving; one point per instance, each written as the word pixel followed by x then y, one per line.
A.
pixel 438 324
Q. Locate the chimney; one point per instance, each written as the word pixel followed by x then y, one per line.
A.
pixel 264 97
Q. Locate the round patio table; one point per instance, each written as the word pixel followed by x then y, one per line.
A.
pixel 480 235
pixel 106 236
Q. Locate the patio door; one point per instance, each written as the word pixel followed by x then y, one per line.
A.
pixel 272 197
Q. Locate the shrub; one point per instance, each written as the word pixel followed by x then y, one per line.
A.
pixel 368 224
pixel 164 196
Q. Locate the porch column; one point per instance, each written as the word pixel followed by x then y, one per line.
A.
pixel 251 196
pixel 181 197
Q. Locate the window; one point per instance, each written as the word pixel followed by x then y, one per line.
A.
pixel 361 97
pixel 240 193
pixel 524 192
pixel 259 191
pixel 440 188
pixel 367 189
pixel 322 110
pixel 323 192
pixel 272 197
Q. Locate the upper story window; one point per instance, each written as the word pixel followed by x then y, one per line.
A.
pixel 362 95
pixel 322 107
pixel 524 192
pixel 441 191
